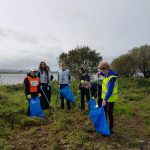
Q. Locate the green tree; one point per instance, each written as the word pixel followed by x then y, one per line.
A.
pixel 141 56
pixel 124 65
pixel 81 56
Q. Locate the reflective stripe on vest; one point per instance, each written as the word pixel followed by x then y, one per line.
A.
pixel 114 96
pixel 34 83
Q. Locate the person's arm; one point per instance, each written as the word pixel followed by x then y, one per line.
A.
pixel 87 78
pixel 58 79
pixel 69 77
pixel 110 87
pixel 38 73
pixel 38 88
pixel 52 77
pixel 27 87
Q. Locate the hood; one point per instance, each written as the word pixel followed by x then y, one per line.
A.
pixel 111 72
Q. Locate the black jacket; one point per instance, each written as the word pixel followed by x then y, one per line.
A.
pixel 84 77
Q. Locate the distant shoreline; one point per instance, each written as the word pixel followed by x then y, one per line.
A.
pixel 22 72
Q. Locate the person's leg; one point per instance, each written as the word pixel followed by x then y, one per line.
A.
pixel 43 100
pixel 110 107
pixel 82 100
pixel 99 96
pixel 47 97
pixel 28 111
pixel 68 105
pixel 93 90
pixel 99 102
pixel 62 101
pixel 50 94
pixel 87 93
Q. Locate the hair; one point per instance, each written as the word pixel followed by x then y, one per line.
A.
pixel 82 69
pixel 62 64
pixel 103 64
pixel 41 69
pixel 48 68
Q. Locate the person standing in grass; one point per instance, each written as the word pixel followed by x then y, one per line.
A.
pixel 45 78
pixel 84 86
pixel 31 87
pixel 109 91
pixel 64 79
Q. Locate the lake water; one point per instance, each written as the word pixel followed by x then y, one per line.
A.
pixel 9 79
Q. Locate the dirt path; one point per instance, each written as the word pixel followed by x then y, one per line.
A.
pixel 33 137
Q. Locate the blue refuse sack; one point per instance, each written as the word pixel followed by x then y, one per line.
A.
pixel 67 94
pixel 35 107
pixel 98 117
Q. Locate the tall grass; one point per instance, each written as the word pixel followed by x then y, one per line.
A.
pixel 63 129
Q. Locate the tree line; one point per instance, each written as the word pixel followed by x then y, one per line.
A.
pixel 135 62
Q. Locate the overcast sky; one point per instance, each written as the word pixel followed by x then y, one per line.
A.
pixel 39 30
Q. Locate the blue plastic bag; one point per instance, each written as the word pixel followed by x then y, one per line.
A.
pixel 92 104
pixel 35 107
pixel 67 94
pixel 98 117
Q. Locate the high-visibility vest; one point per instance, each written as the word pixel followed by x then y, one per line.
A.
pixel 34 83
pixel 114 96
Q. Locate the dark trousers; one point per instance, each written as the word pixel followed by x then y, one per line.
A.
pixel 28 110
pixel 96 91
pixel 109 112
pixel 62 103
pixel 84 92
pixel 45 96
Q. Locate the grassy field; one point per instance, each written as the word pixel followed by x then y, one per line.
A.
pixel 73 130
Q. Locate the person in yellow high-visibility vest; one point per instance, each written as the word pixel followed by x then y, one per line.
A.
pixel 109 91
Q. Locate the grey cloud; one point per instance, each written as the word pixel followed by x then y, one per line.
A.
pixel 23 50
pixel 19 36
pixel 28 62
pixel 50 27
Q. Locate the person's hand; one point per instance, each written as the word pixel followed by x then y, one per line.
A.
pixel 104 103
pixel 39 94
pixel 98 74
pixel 78 92
pixel 87 86
pixel 29 96
pixel 82 81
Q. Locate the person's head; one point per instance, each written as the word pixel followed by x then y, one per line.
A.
pixel 42 65
pixel 104 66
pixel 33 72
pixel 81 70
pixel 63 66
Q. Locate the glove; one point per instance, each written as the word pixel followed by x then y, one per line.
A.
pixel 29 96
pixel 82 81
pixel 39 95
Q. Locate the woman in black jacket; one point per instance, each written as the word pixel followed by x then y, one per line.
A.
pixel 45 84
pixel 84 86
